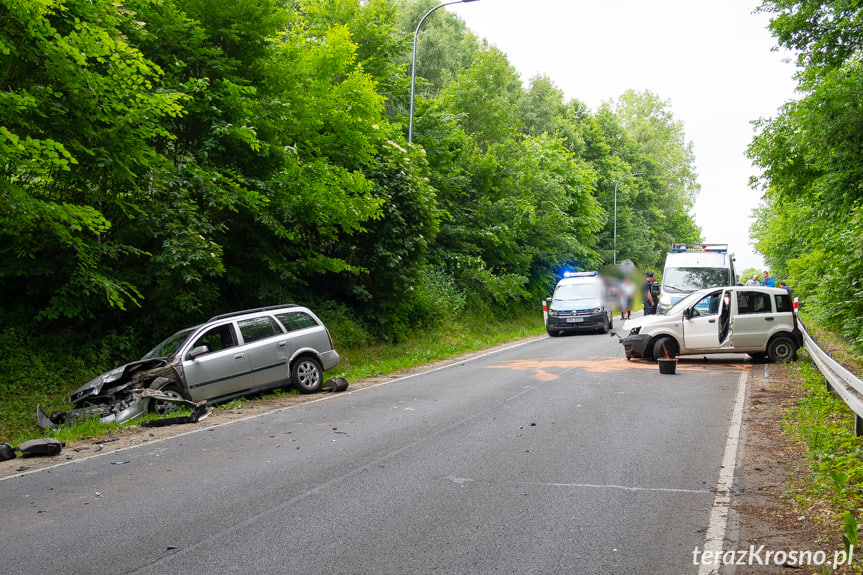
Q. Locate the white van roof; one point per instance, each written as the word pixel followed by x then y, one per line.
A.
pixel 697 259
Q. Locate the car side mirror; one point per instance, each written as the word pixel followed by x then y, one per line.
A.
pixel 687 313
pixel 198 351
pixel 548 300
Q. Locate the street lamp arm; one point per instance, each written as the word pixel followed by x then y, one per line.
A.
pixel 414 62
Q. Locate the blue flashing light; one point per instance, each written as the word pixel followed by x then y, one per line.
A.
pixel 580 274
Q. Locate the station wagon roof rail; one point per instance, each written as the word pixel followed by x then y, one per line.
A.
pixel 254 310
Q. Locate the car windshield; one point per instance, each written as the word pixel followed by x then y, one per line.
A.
pixel 691 279
pixel 170 345
pixel 578 291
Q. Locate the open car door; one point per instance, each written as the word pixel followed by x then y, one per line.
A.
pixel 701 323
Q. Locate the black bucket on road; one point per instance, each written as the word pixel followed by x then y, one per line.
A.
pixel 667 366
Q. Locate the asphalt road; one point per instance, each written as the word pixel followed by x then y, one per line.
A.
pixel 553 456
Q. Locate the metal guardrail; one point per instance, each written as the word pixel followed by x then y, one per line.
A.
pixel 839 380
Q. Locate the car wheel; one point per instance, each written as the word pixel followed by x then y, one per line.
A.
pixel 553 332
pixel 307 374
pixel 606 324
pixel 665 346
pixel 781 348
pixel 161 407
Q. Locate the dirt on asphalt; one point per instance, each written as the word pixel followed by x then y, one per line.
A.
pixel 764 512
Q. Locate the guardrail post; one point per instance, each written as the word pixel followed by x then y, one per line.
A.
pixel 858 425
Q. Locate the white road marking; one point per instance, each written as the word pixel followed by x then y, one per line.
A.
pixel 715 538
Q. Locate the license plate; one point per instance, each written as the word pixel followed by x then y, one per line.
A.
pixel 574 319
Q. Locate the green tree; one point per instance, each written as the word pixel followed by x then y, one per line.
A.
pixel 80 112
pixel 654 143
pixel 808 226
pixel 825 34
pixel 487 96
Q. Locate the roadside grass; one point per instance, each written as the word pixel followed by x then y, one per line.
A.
pixel 49 378
pixel 824 425
pixel 457 337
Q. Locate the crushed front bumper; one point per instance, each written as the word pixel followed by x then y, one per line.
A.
pixel 635 345
pixel 134 404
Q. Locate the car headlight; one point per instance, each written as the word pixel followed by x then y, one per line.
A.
pixel 635 331
pixel 665 299
pixel 597 310
pixel 552 312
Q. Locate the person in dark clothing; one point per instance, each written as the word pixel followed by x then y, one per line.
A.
pixel 647 296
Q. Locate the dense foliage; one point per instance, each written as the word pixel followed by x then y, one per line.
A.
pixel 810 224
pixel 162 160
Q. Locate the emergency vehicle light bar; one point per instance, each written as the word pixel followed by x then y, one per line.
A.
pixel 579 274
pixel 680 248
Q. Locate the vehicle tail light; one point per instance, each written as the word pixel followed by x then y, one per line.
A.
pixel 794 307
pixel 329 337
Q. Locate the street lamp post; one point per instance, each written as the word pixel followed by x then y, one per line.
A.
pixel 414 63
pixel 614 257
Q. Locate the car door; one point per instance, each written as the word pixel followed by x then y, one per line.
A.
pixel 269 349
pixel 701 328
pixel 222 369
pixel 754 321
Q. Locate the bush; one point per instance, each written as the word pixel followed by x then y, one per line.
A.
pixel 437 298
pixel 346 330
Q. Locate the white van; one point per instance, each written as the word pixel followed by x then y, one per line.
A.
pixel 691 267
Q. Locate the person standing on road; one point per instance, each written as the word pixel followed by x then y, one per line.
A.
pixel 648 299
pixel 627 292
pixel 768 280
pixel 753 282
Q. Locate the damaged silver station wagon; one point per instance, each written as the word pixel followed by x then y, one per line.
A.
pixel 230 355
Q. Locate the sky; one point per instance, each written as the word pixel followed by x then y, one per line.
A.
pixel 711 61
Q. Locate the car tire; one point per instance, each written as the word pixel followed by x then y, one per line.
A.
pixel 161 407
pixel 781 348
pixel 606 325
pixel 669 345
pixel 553 332
pixel 307 374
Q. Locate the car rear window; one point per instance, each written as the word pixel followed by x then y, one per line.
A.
pixel 753 302
pixel 296 320
pixel 258 328
pixel 783 302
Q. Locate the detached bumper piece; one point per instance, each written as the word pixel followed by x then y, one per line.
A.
pixel 199 412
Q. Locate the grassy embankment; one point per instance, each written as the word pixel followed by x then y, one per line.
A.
pixel 36 373
pixel 829 485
